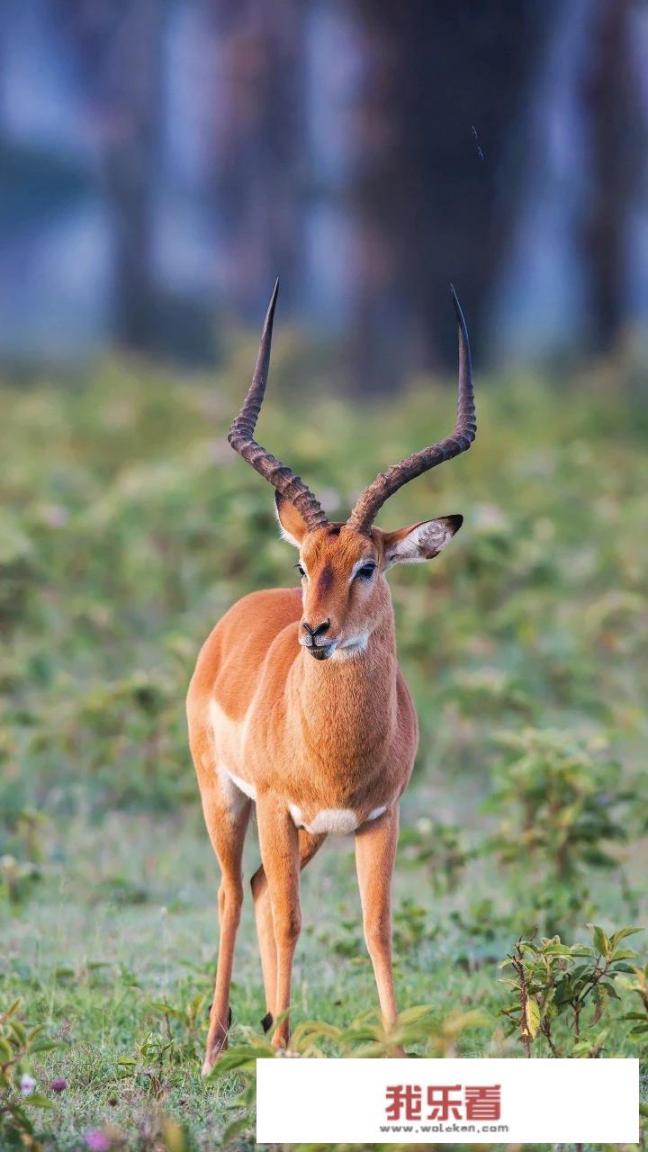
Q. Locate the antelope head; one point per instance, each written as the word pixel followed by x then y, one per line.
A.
pixel 342 564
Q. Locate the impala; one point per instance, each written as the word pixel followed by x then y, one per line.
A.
pixel 298 705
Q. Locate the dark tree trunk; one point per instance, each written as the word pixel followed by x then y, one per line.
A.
pixel 117 45
pixel 257 128
pixel 447 83
pixel 616 154
pixel 130 170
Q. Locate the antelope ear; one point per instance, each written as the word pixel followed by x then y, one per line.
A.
pixel 420 541
pixel 292 525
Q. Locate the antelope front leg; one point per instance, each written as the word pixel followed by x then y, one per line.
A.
pixel 279 843
pixel 308 845
pixel 375 844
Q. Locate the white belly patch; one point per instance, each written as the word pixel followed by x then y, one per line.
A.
pixel 335 820
pixel 340 821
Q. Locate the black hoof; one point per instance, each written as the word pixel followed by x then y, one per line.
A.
pixel 229 1017
pixel 266 1023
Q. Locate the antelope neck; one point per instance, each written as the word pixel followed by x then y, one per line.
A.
pixel 343 695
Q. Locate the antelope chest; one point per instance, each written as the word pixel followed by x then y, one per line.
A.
pixel 321 808
pixel 339 805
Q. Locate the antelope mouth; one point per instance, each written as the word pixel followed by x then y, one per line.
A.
pixel 321 651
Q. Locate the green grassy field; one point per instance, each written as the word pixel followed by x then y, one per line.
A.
pixel 127 527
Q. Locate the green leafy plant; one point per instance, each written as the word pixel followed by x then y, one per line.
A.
pixel 16 878
pixel 438 847
pixel 561 803
pixel 19 1043
pixel 176 1041
pixel 638 983
pixel 186 1022
pixel 562 991
pixel 411 927
pixel 21 827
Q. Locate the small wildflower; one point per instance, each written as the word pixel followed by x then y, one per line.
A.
pixel 58 1085
pixel 27 1084
pixel 97 1141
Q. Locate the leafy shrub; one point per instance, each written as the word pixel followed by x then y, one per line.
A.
pixel 566 988
pixel 21 828
pixel 638 983
pixel 439 848
pixel 561 803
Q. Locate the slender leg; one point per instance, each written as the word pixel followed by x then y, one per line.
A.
pixel 308 844
pixel 375 855
pixel 226 818
pixel 279 843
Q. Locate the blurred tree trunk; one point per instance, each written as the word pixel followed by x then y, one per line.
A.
pixel 117 44
pixel 130 168
pixel 616 154
pixel 255 182
pixel 445 84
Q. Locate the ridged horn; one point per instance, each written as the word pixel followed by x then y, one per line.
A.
pixel 241 434
pixel 387 483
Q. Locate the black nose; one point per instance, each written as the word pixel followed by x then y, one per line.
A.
pixel 319 630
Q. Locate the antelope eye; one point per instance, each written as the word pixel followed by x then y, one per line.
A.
pixel 301 570
pixel 366 572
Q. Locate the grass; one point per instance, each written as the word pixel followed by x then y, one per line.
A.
pixel 127 527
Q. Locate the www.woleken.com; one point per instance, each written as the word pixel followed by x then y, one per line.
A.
pixel 436 1128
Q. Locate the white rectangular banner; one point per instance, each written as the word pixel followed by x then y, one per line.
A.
pixel 447 1101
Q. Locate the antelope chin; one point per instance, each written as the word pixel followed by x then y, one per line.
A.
pixel 320 651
